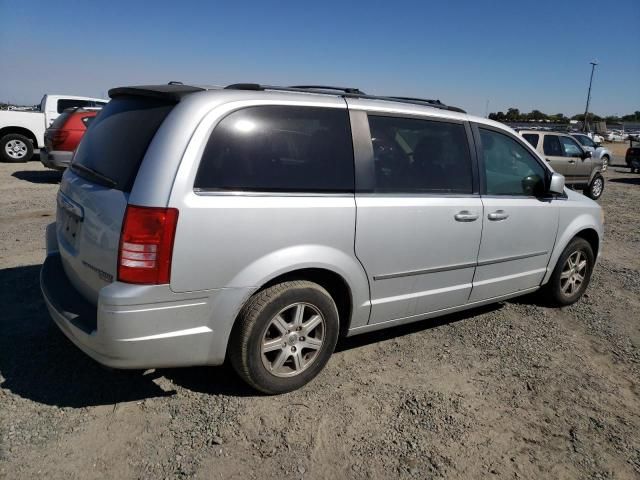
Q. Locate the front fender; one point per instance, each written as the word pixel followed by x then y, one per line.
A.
pixel 584 221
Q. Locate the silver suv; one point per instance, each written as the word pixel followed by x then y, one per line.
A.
pixel 563 152
pixel 259 224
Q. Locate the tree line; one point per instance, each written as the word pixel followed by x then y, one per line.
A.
pixel 514 115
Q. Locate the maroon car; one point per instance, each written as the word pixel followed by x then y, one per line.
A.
pixel 64 135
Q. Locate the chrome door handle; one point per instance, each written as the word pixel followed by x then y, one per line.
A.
pixel 465 216
pixel 498 215
pixel 571 161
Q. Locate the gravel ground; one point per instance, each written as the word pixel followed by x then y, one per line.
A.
pixel 514 390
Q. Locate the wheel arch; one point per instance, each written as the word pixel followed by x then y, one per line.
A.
pixel 20 131
pixel 591 236
pixel 584 227
pixel 334 283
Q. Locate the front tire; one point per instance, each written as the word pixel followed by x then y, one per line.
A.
pixel 15 148
pixel 595 188
pixel 284 336
pixel 572 274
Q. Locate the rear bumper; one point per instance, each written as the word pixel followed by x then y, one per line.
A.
pixel 135 326
pixel 56 159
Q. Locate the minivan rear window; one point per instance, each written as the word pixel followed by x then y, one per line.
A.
pixel 111 151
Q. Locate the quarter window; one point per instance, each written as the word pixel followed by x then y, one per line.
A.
pixel 279 148
pixel 510 169
pixel 414 155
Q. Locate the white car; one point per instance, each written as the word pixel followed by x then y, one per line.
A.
pixel 23 131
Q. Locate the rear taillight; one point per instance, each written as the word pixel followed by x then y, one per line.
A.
pixel 59 138
pixel 146 245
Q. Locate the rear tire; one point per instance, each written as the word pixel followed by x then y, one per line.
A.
pixel 570 277
pixel 595 188
pixel 15 148
pixel 284 336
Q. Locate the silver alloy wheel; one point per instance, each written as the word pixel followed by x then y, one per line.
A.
pixel 573 273
pixel 605 163
pixel 16 149
pixel 596 188
pixel 292 340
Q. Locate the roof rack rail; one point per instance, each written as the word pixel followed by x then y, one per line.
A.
pixel 346 92
pixel 350 90
pixel 295 88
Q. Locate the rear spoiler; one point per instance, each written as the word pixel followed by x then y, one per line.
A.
pixel 172 92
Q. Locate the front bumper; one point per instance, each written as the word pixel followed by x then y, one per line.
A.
pixel 56 159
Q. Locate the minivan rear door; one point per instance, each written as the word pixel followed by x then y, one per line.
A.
pixel 94 191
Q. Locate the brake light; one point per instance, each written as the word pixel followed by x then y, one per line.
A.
pixel 146 245
pixel 59 137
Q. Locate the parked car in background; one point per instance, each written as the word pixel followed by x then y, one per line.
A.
pixel 23 131
pixel 261 223
pixel 615 136
pixel 597 151
pixel 632 157
pixel 566 156
pixel 64 135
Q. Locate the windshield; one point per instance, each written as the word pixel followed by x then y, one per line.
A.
pixel 114 146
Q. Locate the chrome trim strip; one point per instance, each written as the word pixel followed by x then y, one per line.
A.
pixel 424 271
pixel 386 276
pixel 253 193
pixel 509 259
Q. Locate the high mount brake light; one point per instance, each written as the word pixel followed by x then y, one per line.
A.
pixel 146 245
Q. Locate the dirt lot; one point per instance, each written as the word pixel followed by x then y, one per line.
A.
pixel 515 390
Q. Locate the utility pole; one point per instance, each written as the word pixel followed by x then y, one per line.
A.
pixel 585 127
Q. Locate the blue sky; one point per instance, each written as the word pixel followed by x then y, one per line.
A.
pixel 522 54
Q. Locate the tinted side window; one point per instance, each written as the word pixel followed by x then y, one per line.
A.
pixel 414 155
pixel 279 148
pixel 552 147
pixel 570 147
pixel 509 167
pixel 532 138
pixel 64 104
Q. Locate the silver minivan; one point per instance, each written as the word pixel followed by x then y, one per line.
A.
pixel 259 224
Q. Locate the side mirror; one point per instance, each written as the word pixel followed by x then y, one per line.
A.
pixel 557 183
pixel 586 154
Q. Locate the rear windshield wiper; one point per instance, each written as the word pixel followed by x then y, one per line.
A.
pixel 93 175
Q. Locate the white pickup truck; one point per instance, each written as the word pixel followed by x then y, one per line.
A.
pixel 23 131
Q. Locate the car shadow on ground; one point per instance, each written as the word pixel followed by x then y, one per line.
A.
pixel 630 181
pixel 39 176
pixel 39 363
